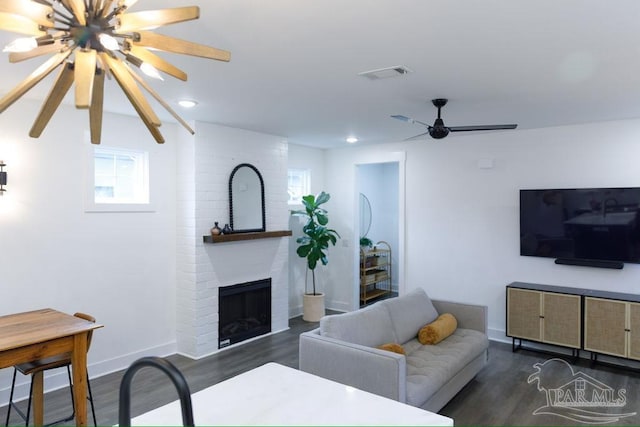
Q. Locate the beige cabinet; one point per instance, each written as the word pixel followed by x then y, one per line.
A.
pixel 601 322
pixel 547 317
pixel 375 272
pixel 612 327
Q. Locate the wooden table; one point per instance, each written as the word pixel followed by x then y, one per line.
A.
pixel 33 335
pixel 276 395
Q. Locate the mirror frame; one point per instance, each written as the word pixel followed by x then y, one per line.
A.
pixel 249 230
pixel 362 200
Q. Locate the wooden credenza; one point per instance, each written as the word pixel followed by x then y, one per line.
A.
pixel 579 319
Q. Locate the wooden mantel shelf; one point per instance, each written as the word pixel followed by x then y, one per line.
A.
pixel 236 237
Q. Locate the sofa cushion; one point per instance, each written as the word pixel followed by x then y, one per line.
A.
pixel 429 367
pixel 392 346
pixel 370 326
pixel 409 313
pixel 437 330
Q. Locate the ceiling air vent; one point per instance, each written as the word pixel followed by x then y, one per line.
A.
pixel 385 73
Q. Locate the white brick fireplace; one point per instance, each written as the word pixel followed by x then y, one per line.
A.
pixel 205 162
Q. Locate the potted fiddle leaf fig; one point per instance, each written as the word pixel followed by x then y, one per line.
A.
pixel 313 246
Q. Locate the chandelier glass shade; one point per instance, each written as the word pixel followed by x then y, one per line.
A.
pixel 89 40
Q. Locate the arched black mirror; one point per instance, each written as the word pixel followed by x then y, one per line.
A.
pixel 246 199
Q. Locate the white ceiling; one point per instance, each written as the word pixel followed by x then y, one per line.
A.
pixel 295 63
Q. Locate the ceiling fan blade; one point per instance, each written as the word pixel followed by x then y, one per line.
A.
pixel 19 24
pixel 126 3
pixel 34 78
pixel 174 45
pixel 480 127
pixel 79 8
pixel 85 71
pixel 37 12
pixel 135 96
pixel 39 51
pixel 95 111
pixel 403 118
pixel 106 7
pixel 156 61
pixel 150 19
pixel 417 136
pixel 56 95
pixel 166 106
pixel 409 120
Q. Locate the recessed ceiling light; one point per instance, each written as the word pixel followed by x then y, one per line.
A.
pixel 352 140
pixel 187 103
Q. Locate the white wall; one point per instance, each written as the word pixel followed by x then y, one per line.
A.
pixel 462 232
pixel 119 267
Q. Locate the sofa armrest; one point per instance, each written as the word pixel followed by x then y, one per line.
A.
pixel 469 316
pixel 370 369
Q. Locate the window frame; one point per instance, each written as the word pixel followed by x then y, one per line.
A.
pixel 306 190
pixel 90 201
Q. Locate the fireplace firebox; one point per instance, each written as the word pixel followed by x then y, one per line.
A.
pixel 244 311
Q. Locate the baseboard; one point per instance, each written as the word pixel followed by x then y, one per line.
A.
pixel 211 353
pixel 57 378
pixel 498 335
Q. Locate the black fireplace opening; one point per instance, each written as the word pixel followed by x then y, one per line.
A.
pixel 244 311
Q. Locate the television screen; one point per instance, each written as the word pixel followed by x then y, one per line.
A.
pixel 583 223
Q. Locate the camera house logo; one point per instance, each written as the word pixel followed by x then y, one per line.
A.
pixel 576 395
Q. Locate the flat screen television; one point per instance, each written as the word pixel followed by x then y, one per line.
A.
pixel 581 224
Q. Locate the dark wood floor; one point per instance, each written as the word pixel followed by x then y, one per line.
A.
pixel 499 395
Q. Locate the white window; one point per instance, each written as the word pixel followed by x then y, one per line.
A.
pixel 299 185
pixel 120 180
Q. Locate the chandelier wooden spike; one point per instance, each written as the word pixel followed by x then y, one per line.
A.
pixel 90 39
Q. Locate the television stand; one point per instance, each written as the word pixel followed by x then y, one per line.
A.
pixel 600 322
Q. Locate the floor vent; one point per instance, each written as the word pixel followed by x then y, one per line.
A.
pixel 385 73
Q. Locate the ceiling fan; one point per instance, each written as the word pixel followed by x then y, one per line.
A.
pixel 439 130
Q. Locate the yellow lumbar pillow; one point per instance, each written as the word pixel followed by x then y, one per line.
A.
pixel 438 330
pixel 396 348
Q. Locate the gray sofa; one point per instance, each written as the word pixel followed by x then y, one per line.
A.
pixel 344 349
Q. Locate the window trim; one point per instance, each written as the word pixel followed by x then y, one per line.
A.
pixel 307 173
pixel 90 204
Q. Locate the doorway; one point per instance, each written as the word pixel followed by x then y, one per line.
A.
pixel 380 206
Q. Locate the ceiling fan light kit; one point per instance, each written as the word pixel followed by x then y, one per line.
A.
pixel 91 39
pixel 439 130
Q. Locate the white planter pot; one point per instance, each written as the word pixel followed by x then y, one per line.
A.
pixel 313 307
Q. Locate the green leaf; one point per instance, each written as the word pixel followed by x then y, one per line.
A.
pixel 322 198
pixel 303 251
pixel 322 219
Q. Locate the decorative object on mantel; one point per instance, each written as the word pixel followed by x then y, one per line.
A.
pixel 3 177
pixel 86 38
pixel 312 247
pixel 246 199
pixel 236 237
pixel 227 229
pixel 216 231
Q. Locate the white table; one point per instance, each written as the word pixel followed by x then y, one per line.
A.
pixel 273 394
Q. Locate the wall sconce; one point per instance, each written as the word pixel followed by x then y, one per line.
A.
pixel 3 177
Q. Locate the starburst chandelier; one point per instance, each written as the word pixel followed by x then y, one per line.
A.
pixel 93 39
